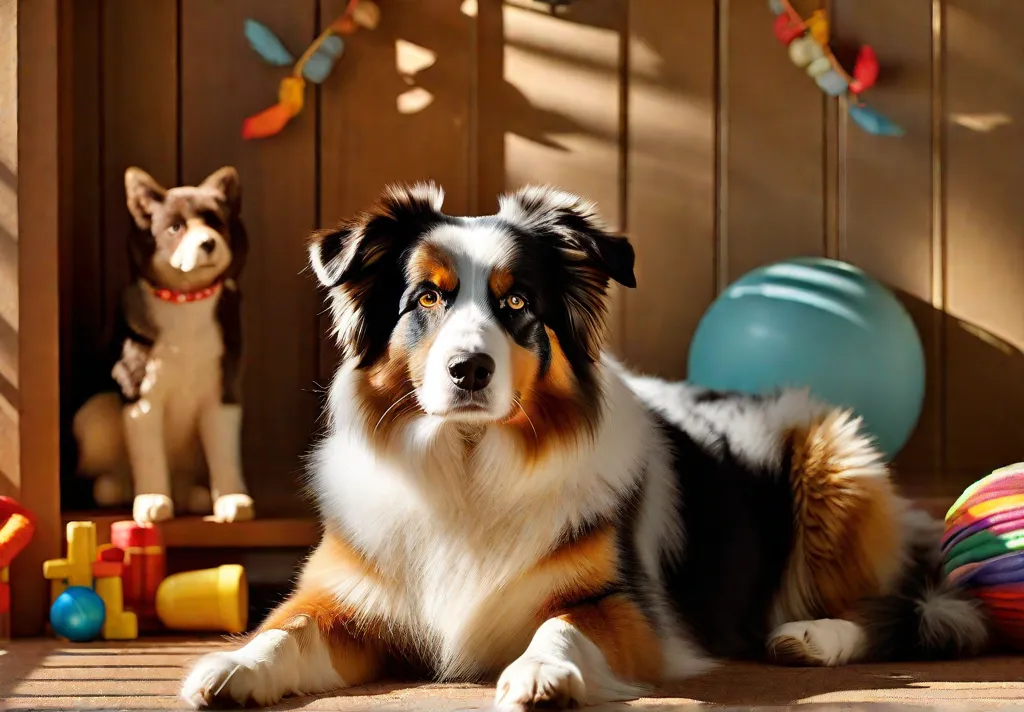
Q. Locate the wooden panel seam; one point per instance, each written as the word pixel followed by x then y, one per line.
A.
pixel 39 360
pixel 939 271
pixel 721 99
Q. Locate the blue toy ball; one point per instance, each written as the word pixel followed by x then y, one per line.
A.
pixel 820 324
pixel 78 614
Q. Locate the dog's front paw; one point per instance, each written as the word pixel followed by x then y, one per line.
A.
pixel 149 508
pixel 228 679
pixel 234 508
pixel 533 680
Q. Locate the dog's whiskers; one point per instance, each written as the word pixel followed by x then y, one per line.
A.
pixel 390 408
pixel 527 416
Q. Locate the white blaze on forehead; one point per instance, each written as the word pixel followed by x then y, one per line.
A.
pixel 470 326
pixel 189 253
pixel 477 249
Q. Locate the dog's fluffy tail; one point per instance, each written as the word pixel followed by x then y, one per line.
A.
pixel 855 536
pixel 924 618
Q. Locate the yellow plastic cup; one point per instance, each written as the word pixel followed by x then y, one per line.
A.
pixel 205 600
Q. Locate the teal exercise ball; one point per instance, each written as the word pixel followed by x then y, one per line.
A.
pixel 819 324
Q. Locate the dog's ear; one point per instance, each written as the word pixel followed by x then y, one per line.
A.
pixel 586 255
pixel 144 194
pixel 359 261
pixel 224 181
pixel 571 225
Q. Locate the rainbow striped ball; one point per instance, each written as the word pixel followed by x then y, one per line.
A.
pixel 983 548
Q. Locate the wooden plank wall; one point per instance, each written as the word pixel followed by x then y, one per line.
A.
pixel 35 176
pixel 10 477
pixel 684 120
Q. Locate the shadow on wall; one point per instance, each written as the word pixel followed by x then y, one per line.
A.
pixel 9 394
pixel 973 417
pixel 422 97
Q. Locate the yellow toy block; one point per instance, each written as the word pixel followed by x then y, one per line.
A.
pixel 76 569
pixel 57 587
pixel 119 624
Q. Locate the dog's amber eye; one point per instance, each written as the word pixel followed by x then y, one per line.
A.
pixel 177 227
pixel 429 300
pixel 515 302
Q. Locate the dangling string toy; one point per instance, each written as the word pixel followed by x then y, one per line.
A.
pixel 808 43
pixel 315 64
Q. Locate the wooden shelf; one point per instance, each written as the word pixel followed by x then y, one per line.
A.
pixel 197 532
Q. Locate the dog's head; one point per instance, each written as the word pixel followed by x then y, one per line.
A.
pixel 495 320
pixel 186 238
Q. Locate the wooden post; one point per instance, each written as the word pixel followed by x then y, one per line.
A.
pixel 36 178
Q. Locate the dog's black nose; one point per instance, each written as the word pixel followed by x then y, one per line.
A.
pixel 208 245
pixel 471 372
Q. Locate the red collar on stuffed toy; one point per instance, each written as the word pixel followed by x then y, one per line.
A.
pixel 177 297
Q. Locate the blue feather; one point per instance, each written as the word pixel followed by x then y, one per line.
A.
pixel 266 44
pixel 320 64
pixel 873 122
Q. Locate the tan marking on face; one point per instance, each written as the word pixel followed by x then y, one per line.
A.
pixel 381 388
pixel 553 412
pixel 525 366
pixel 560 373
pixel 624 634
pixel 500 282
pixel 430 263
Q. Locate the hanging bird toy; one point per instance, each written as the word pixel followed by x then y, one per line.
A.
pixel 315 64
pixel 808 43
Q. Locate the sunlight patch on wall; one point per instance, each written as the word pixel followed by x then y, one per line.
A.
pixel 414 101
pixel 412 58
pixel 982 123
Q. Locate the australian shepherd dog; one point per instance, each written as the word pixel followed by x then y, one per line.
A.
pixel 503 500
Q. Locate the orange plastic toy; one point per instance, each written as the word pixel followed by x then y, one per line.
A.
pixel 17 525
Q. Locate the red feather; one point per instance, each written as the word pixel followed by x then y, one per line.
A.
pixel 865 73
pixel 786 30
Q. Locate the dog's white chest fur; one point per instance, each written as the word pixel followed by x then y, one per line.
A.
pixel 461 537
pixel 186 361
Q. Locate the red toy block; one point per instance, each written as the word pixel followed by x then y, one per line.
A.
pixel 110 553
pixel 105 569
pixel 144 566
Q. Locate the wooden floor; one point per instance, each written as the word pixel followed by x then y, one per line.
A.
pixel 47 674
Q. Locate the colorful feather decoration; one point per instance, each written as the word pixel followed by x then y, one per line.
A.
pixel 321 62
pixel 872 121
pixel 865 72
pixel 267 45
pixel 808 44
pixel 315 65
